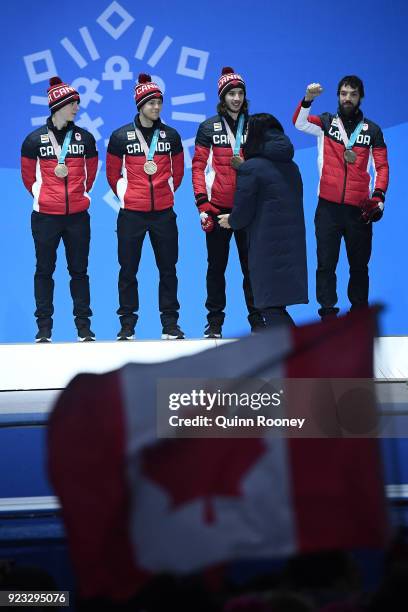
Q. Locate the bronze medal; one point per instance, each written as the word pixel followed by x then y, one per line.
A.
pixel 150 167
pixel 61 170
pixel 350 156
pixel 236 161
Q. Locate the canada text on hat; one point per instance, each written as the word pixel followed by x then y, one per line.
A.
pixel 60 94
pixel 228 80
pixel 146 90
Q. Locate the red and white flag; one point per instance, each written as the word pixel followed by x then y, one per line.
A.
pixel 135 505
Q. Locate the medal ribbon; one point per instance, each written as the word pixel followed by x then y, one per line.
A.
pixel 60 153
pixel 349 142
pixel 148 151
pixel 235 141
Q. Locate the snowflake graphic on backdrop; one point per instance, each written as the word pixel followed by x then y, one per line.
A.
pixel 115 20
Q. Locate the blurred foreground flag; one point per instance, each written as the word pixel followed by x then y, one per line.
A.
pixel 136 505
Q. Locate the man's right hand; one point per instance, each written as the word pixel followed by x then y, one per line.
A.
pixel 208 208
pixel 312 91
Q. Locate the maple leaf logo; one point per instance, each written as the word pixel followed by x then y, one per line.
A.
pixel 191 469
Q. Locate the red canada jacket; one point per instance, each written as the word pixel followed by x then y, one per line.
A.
pixel 53 195
pixel 340 182
pixel 125 159
pixel 214 179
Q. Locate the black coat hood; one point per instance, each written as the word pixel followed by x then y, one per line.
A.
pixel 276 147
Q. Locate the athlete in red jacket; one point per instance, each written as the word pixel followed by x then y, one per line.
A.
pixel 214 179
pixel 348 143
pixel 144 167
pixel 58 166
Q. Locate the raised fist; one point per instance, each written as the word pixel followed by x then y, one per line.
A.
pixel 312 91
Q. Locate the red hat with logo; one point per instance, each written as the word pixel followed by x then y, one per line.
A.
pixel 146 90
pixel 228 80
pixel 60 94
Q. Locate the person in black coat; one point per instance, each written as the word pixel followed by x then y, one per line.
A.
pixel 269 205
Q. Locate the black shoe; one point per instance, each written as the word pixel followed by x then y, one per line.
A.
pixel 172 332
pixel 257 327
pixel 85 334
pixel 213 330
pixel 328 316
pixel 127 332
pixel 328 313
pixel 43 335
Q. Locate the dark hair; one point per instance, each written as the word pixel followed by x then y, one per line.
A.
pixel 352 81
pixel 222 107
pixel 258 125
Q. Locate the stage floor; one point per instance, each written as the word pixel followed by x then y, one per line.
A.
pixel 33 375
pixel 52 366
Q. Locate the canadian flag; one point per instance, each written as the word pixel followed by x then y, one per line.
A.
pixel 135 505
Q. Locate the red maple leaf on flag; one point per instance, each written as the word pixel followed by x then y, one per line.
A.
pixel 216 468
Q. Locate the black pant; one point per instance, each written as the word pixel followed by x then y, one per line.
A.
pixel 162 228
pixel 218 243
pixel 75 232
pixel 332 223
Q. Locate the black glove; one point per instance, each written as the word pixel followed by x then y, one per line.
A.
pixel 372 210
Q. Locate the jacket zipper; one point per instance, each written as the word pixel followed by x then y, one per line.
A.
pixel 345 181
pixel 66 196
pixel 151 192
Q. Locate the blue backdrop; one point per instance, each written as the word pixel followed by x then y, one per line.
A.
pixel 279 47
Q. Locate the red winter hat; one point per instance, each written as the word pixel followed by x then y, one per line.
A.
pixel 60 94
pixel 228 80
pixel 146 90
